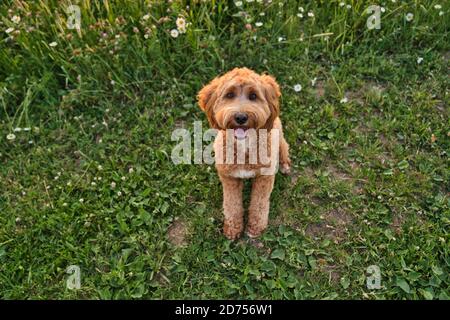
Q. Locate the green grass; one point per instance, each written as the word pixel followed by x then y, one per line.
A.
pixel 371 176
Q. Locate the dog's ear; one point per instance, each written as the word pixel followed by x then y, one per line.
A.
pixel 272 94
pixel 207 97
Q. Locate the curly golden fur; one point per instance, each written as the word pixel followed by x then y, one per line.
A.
pixel 234 103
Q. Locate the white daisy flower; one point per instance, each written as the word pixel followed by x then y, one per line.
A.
pixel 9 30
pixel 299 15
pixel 310 14
pixel 119 193
pixel 15 19
pixel 441 13
pixel 262 14
pixel 341 4
pixel 281 39
pixel 53 44
pixel 438 7
pixel 182 29
pixel 113 185
pixel 238 3
pixel 349 6
pixel 419 60
pixel 81 200
pixel 174 33
pixel 382 9
pixel 99 167
pixel 258 24
pixel 131 170
pixel 409 17
pixel 17 129
pixel 301 9
pixel 146 17
pixel 344 100
pixel 11 136
pixel 181 23
pixel 26 129
pixel 298 87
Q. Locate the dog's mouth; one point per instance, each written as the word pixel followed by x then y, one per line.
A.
pixel 240 133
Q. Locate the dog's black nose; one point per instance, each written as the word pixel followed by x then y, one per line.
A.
pixel 241 118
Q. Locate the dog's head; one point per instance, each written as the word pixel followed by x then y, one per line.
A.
pixel 241 99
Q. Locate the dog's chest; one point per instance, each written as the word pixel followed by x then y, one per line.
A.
pixel 232 165
pixel 243 174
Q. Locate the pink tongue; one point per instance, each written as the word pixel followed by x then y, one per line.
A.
pixel 240 133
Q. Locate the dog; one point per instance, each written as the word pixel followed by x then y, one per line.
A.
pixel 238 103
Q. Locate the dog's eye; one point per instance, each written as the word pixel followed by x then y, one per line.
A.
pixel 252 96
pixel 230 95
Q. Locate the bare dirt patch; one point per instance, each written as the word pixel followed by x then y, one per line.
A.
pixel 397 222
pixel 334 225
pixel 319 89
pixel 370 91
pixel 338 174
pixel 178 232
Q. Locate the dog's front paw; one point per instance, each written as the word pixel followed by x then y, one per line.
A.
pixel 233 230
pixel 254 232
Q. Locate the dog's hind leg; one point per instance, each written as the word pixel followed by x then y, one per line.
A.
pixel 285 162
pixel 232 207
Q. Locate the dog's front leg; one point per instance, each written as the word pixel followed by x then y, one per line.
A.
pixel 232 207
pixel 258 215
